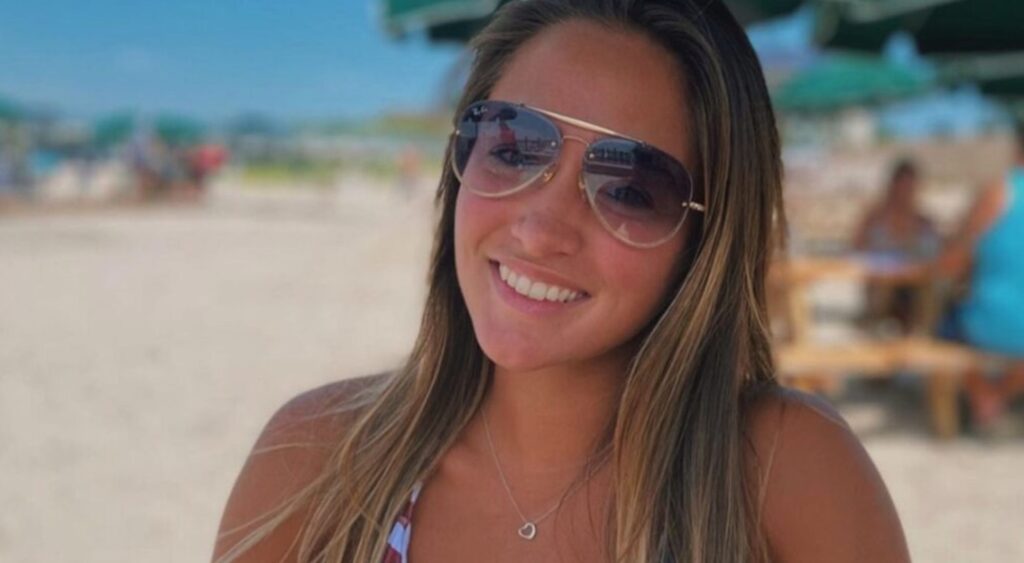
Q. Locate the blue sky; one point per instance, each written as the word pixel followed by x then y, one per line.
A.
pixel 217 58
pixel 214 58
pixel 290 59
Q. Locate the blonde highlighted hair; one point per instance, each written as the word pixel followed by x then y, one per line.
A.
pixel 680 491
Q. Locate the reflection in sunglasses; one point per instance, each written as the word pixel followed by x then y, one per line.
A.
pixel 609 156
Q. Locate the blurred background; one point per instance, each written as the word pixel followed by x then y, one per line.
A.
pixel 206 208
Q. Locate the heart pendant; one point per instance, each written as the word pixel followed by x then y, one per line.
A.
pixel 528 531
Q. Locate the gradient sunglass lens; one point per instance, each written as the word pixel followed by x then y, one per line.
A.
pixel 500 147
pixel 640 193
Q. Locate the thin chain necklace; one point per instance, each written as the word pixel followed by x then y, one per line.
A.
pixel 528 530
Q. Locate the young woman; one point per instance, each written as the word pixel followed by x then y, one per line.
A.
pixel 896 231
pixel 592 379
pixel 895 225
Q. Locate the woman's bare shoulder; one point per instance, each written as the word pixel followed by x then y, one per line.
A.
pixel 318 414
pixel 288 456
pixel 819 494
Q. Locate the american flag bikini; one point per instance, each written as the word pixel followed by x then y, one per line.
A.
pixel 398 541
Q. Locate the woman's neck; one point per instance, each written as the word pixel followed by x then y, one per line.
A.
pixel 551 420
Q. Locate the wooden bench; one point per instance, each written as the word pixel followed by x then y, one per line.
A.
pixel 941 364
pixel 802 362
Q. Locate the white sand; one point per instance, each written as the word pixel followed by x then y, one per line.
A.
pixel 142 350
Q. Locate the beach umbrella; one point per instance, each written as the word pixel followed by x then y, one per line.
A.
pixel 1010 88
pixel 979 41
pixel 841 80
pixel 113 130
pixel 937 26
pixel 10 111
pixel 458 20
pixel 452 20
pixel 752 11
pixel 178 130
pixel 1000 75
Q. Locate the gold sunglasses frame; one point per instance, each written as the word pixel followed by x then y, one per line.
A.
pixel 548 174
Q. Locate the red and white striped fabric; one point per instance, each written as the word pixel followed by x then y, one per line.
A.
pixel 398 540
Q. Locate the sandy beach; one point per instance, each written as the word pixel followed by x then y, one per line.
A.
pixel 142 349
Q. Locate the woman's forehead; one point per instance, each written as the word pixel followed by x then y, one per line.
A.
pixel 618 80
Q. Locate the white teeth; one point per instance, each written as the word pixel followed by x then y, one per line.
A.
pixel 535 290
pixel 538 291
pixel 552 294
pixel 523 285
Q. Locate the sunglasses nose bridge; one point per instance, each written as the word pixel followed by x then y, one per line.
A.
pixel 579 180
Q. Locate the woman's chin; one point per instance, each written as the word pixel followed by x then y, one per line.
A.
pixel 516 362
pixel 518 358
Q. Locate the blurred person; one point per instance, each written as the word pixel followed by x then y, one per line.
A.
pixel 86 164
pixel 593 374
pixel 143 156
pixel 987 250
pixel 202 161
pixel 175 172
pixel 895 233
pixel 195 170
pixel 408 171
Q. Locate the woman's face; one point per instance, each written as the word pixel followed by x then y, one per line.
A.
pixel 548 233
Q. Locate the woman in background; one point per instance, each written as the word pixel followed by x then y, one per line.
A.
pixel 593 379
pixel 895 234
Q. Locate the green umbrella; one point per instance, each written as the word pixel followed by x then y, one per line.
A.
pixel 979 41
pixel 113 129
pixel 1000 75
pixel 178 130
pixel 10 111
pixel 937 26
pixel 458 20
pixel 842 80
pixel 401 16
pixel 1010 88
pixel 751 11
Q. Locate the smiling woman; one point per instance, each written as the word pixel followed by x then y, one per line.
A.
pixel 593 379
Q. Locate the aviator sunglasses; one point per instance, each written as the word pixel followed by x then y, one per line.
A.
pixel 640 194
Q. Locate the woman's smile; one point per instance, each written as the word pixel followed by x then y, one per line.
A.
pixel 526 290
pixel 536 290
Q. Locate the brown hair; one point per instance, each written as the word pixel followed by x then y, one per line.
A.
pixel 680 492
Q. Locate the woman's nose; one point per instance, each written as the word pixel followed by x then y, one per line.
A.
pixel 552 217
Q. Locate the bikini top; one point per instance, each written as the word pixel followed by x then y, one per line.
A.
pixel 401 533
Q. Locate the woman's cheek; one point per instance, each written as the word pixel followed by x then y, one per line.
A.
pixel 476 218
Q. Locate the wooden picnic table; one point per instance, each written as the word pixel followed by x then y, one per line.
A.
pixel 942 364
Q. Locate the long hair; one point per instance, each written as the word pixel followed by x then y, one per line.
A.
pixel 680 490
